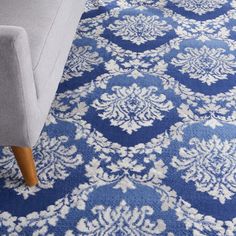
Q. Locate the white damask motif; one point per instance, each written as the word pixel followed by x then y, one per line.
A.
pixel 123 220
pixel 208 65
pixel 53 161
pixel 132 107
pixel 141 4
pixel 81 59
pixel 201 225
pixel 68 106
pixel 211 165
pixel 137 67
pixel 95 4
pixel 126 174
pixel 203 31
pixel 102 145
pixel 231 226
pixel 213 114
pixel 45 221
pixel 216 114
pixel 140 29
pixel 200 7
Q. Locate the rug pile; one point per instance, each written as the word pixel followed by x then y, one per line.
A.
pixel 141 138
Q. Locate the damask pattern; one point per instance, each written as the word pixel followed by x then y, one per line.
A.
pixel 81 59
pixel 211 165
pixel 206 64
pixel 142 4
pixel 200 7
pixel 141 137
pixel 54 160
pixel 140 29
pixel 132 107
pixel 121 220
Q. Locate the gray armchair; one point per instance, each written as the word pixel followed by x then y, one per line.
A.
pixel 35 39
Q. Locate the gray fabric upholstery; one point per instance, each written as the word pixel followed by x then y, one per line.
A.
pixel 56 42
pixel 17 91
pixel 57 69
pixel 35 16
pixel 35 38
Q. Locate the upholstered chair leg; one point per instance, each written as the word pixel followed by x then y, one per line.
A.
pixel 24 158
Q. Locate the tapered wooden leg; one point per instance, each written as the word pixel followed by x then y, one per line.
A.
pixel 25 160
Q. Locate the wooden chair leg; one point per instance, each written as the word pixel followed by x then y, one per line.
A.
pixel 25 160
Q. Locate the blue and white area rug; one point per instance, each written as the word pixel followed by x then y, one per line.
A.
pixel 141 138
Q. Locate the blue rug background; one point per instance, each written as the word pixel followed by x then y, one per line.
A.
pixel 141 137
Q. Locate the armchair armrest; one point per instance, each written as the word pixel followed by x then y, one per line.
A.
pixel 18 99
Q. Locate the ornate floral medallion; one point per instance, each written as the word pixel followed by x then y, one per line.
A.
pixel 140 29
pixel 132 107
pixel 208 65
pixel 211 165
pixel 200 7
